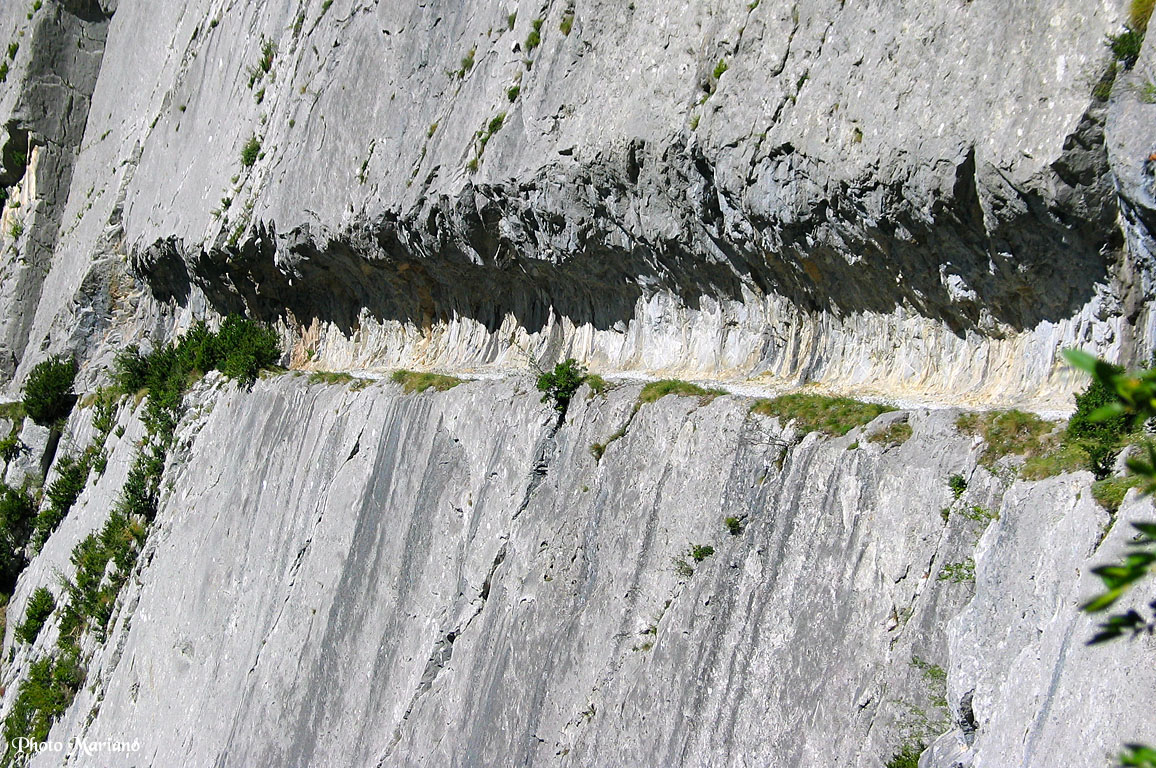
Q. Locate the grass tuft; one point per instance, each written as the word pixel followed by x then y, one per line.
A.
pixel 656 390
pixel 414 381
pixel 815 413
pixel 1007 433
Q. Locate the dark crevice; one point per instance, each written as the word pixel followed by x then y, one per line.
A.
pixel 531 250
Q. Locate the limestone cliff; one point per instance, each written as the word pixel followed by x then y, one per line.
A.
pixel 913 201
pixel 375 578
pixel 909 198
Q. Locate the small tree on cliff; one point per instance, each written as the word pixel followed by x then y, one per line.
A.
pixel 560 384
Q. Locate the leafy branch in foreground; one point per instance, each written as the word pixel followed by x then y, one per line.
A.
pixel 1133 397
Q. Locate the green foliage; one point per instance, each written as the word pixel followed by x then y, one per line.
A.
pixel 700 552
pixel 1109 492
pixel 907 755
pixel 656 390
pixel 240 349
pixel 534 39
pixel 567 23
pixel 1134 397
pixel 330 377
pixel 12 49
pixel 958 573
pixel 816 413
pixel 979 514
pixel 512 93
pixel 42 698
pixel 733 525
pixel 1066 457
pixel 17 513
pixel 719 69
pixel 250 151
pixel 1102 90
pixel 1126 46
pixel 414 381
pixel 71 477
pixel 1099 438
pixel 597 384
pixel 40 606
pixel 896 433
pixel 48 395
pixel 1006 433
pixel 3 71
pixel 11 447
pixel 1138 756
pixel 957 484
pixel 325 7
pixel 560 384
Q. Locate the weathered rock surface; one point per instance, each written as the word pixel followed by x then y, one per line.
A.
pixel 901 197
pixel 373 578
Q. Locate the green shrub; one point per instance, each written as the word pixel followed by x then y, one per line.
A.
pixel 48 395
pixel 733 525
pixel 12 49
pixel 1006 433
pixel 41 699
pixel 720 68
pixel 71 477
pixel 567 23
pixel 957 484
pixel 700 552
pixel 17 513
pixel 11 447
pixel 40 606
pixel 1099 438
pixel 656 390
pixel 250 151
pixel 240 349
pixel 414 381
pixel 815 413
pixel 560 384
pixel 534 39
pixel 1126 46
pixel 512 93
pixel 907 756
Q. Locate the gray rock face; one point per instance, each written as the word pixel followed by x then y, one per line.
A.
pixel 909 198
pixel 373 578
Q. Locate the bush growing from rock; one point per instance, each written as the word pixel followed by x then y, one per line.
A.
pixel 48 394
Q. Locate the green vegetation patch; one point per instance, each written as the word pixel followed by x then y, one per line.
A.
pixel 816 413
pixel 1066 457
pixel 1006 433
pixel 896 433
pixel 1109 493
pixel 40 607
pixel 559 385
pixel 413 381
pixel 48 394
pixel 250 151
pixel 656 390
